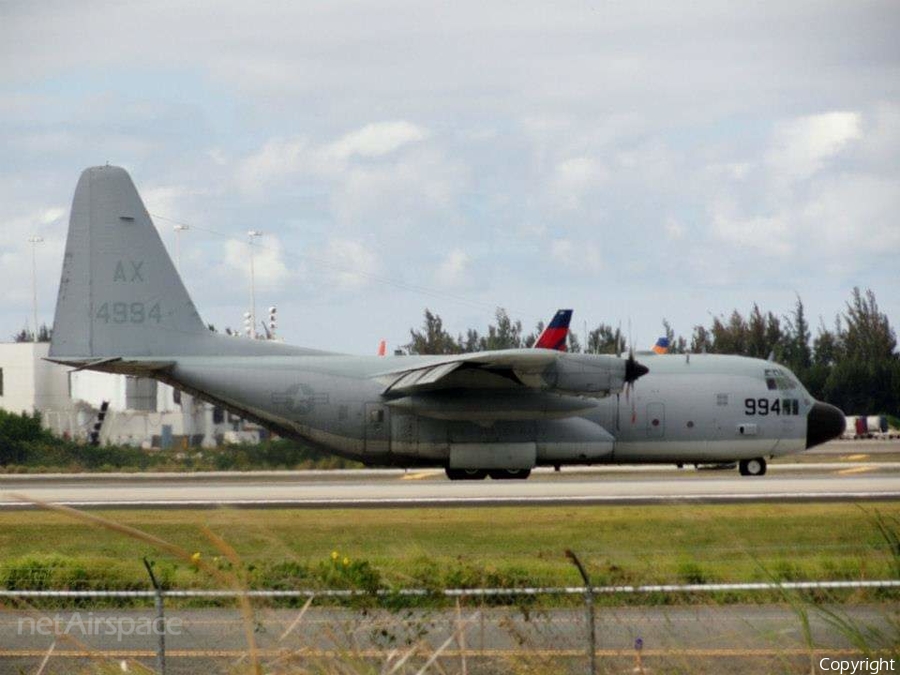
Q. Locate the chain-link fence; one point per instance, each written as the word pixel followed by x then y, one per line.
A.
pixel 468 631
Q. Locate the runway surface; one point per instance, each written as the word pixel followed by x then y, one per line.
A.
pixel 830 481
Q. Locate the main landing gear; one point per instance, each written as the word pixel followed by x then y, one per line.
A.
pixel 752 467
pixel 480 474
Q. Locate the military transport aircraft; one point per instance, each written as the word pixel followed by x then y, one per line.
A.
pixel 122 308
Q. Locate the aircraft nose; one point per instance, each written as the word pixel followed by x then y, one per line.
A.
pixel 824 423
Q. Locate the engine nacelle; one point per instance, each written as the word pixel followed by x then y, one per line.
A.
pixel 587 374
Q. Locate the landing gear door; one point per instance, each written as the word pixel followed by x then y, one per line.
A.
pixel 656 420
pixel 377 429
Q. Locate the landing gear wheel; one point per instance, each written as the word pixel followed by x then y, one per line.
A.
pixel 466 474
pixel 506 474
pixel 752 467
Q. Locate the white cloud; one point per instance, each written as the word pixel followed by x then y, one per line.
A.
pixel 275 163
pixel 769 235
pixel 377 140
pixel 168 199
pixel 49 223
pixel 573 180
pixel 269 269
pixel 852 216
pixel 417 188
pixel 583 256
pixel 801 147
pixel 348 262
pixel 454 269
pixel 643 129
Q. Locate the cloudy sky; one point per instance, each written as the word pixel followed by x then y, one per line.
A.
pixel 631 160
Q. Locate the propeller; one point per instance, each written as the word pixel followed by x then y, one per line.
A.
pixel 633 370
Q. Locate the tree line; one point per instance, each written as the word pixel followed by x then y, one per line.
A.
pixel 854 364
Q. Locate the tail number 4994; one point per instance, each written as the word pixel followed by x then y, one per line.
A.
pixel 129 312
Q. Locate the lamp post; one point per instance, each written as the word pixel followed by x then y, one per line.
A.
pixel 35 240
pixel 251 235
pixel 178 230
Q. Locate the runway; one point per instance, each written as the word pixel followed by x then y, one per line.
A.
pixel 833 481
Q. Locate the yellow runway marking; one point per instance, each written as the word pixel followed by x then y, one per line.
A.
pixel 418 476
pixel 856 469
pixel 856 458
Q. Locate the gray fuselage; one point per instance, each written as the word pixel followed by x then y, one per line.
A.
pixel 687 409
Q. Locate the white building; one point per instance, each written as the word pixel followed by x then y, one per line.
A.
pixel 29 383
pixel 141 412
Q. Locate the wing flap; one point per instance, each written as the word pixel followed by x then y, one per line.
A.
pixel 423 377
pixel 512 364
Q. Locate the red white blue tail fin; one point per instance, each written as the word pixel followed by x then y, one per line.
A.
pixel 556 333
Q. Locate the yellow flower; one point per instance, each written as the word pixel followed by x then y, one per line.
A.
pixel 346 562
pixel 196 558
pixel 335 555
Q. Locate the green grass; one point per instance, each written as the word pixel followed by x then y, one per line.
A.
pixel 499 546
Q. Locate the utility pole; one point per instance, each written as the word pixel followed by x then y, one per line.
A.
pixel 35 240
pixel 252 234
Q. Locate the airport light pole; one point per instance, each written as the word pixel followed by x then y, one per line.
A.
pixel 251 235
pixel 178 230
pixel 35 240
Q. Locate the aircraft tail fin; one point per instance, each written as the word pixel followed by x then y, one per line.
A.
pixel 120 294
pixel 661 346
pixel 556 333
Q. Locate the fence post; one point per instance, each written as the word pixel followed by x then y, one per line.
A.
pixel 589 606
pixel 159 624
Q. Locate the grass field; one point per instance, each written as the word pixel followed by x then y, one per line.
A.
pixel 437 548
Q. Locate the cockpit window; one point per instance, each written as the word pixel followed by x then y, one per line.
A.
pixel 776 378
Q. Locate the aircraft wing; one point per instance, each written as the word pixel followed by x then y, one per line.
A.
pixel 479 370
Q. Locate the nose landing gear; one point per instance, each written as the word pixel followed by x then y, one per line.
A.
pixel 752 467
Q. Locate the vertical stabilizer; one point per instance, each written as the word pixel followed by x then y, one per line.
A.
pixel 556 333
pixel 120 294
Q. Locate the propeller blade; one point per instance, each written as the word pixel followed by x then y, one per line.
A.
pixel 633 369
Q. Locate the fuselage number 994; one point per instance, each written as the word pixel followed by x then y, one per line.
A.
pixel 764 406
pixel 129 312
